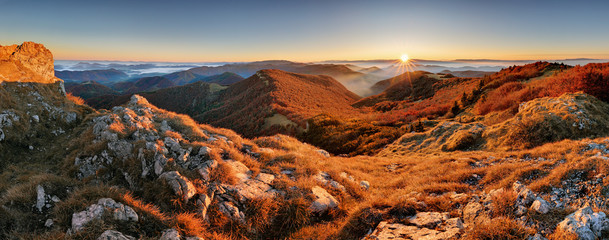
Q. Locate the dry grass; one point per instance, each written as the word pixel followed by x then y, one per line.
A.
pixel 499 228
pixel 75 99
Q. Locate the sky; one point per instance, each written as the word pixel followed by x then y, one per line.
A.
pixel 312 30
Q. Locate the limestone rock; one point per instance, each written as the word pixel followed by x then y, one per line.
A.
pixel 28 62
pixel 386 231
pixel 323 153
pixel 429 219
pixel 118 210
pixel 587 224
pixel 40 198
pixel 229 209
pixel 170 234
pixel 323 200
pixel 541 206
pixel 180 185
pixel 114 235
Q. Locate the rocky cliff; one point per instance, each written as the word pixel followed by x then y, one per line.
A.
pixel 28 62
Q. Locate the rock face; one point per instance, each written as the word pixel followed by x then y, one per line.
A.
pixel 28 62
pixel 586 224
pixel 119 212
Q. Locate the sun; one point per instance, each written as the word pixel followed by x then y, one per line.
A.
pixel 404 57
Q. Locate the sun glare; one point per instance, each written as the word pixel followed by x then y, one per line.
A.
pixel 404 57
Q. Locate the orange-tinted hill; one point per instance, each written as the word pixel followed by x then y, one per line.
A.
pixel 408 86
pixel 274 101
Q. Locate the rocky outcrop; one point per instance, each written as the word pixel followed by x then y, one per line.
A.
pixel 586 224
pixel 28 62
pixel 118 211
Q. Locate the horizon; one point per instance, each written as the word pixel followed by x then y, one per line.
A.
pixel 242 31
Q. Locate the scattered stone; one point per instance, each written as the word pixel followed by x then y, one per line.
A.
pixel 48 223
pixel 365 184
pixel 323 200
pixel 323 153
pixel 114 235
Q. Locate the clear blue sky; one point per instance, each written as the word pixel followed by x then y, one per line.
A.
pixel 308 30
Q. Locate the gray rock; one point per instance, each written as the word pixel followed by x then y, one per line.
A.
pixel 205 169
pixel 95 211
pixel 122 149
pixel 40 198
pixel 265 178
pixel 541 206
pixel 323 200
pixel 365 184
pixel 170 234
pixel 229 209
pixel 114 235
pixel 429 219
pixel 472 212
pixel 48 223
pixel 537 237
pixel 323 153
pixel 586 224
pixel 180 185
pixel 387 231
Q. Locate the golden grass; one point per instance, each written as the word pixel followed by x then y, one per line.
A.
pixel 499 228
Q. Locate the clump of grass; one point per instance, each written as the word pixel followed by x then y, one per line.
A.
pixel 499 228
pixel 504 203
pixel 189 224
pixel 223 174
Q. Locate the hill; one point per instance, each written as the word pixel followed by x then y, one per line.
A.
pixel 226 78
pixel 277 101
pixel 268 102
pixel 105 77
pixel 355 81
pixel 408 86
pixel 87 90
